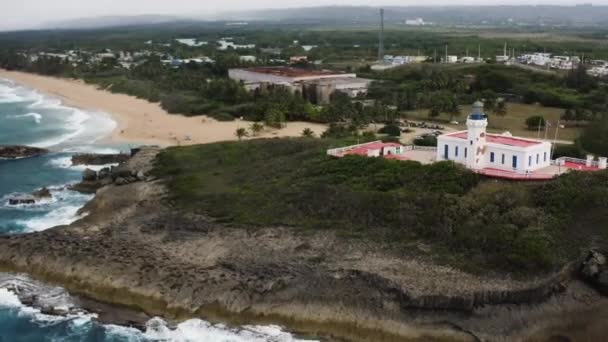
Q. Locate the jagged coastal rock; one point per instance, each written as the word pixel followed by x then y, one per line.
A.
pixel 594 270
pixel 32 198
pixel 99 159
pixel 124 173
pixel 135 249
pixel 17 151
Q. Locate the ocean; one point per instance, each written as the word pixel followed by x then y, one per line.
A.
pixel 30 118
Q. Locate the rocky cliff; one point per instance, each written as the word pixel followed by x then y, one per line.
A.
pixel 134 249
pixel 17 151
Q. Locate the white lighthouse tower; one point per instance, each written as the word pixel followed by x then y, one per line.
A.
pixel 476 136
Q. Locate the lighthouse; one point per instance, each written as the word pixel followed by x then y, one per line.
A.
pixel 476 136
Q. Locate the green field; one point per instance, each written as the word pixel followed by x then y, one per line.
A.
pixel 513 122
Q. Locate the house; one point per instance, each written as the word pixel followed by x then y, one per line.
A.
pixel 467 60
pixel 247 59
pixel 451 59
pixel 297 59
pixel 415 22
pixel 192 42
pixel 478 150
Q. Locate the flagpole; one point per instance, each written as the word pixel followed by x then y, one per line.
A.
pixel 554 139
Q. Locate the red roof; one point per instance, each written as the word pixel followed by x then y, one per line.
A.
pixel 378 145
pixel 360 151
pixel 501 139
pixel 580 167
pixel 293 72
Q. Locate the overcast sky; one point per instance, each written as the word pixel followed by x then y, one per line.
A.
pixel 15 14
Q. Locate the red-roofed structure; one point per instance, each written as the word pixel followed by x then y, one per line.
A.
pixel 371 149
pixel 501 139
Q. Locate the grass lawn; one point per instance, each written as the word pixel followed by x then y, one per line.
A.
pixel 514 121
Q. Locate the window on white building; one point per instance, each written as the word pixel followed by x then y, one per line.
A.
pixel 529 160
pixel 491 157
pixel 545 157
pixel 446 149
pixel 537 158
pixel 456 151
pixel 503 159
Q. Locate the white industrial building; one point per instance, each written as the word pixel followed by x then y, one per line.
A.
pixel 478 150
pixel 324 81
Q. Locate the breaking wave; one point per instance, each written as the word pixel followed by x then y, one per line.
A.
pixel 81 325
pixel 37 117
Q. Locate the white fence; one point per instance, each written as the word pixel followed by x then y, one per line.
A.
pixel 340 150
pixel 563 160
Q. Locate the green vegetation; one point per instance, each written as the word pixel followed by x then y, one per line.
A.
pixel 390 129
pixel 422 91
pixel 241 133
pixel 595 137
pixel 469 222
pixel 427 140
pixel 308 133
pixel 536 121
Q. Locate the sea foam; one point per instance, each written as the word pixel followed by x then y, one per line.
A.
pixel 79 126
pixel 66 163
pixel 198 330
pixel 37 117
pixel 157 329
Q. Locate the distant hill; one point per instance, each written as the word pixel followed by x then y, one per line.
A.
pixel 529 15
pixel 537 15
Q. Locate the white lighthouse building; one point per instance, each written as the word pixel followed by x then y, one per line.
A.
pixel 480 151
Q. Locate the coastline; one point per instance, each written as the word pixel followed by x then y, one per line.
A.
pixel 142 122
pixel 152 259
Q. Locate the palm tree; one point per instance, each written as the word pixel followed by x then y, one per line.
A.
pixel 241 133
pixel 256 128
pixel 308 133
pixel 501 108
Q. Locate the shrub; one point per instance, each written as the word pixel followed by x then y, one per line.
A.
pixel 533 122
pixel 427 140
pixel 390 129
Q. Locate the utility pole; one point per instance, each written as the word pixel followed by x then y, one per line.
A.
pixel 446 54
pixel 381 36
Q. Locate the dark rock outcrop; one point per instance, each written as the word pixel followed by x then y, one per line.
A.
pixel 594 270
pixel 42 193
pixel 18 151
pixel 99 159
pixel 22 199
pixel 89 175
pixel 32 198
pixel 129 171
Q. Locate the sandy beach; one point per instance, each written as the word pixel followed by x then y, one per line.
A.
pixel 140 121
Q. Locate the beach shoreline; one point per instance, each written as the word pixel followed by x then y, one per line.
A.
pixel 141 122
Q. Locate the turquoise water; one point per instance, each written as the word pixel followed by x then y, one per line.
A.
pixel 29 118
